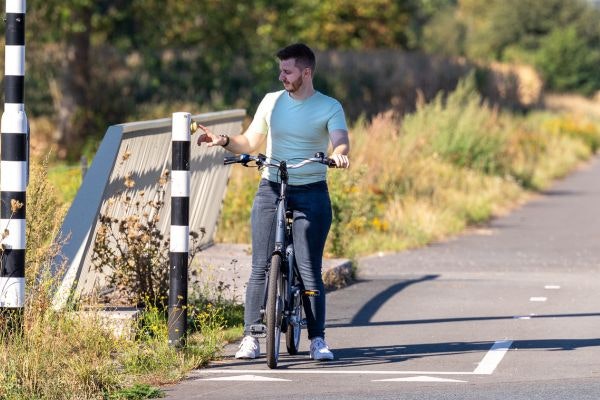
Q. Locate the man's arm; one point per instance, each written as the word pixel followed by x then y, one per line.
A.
pixel 340 143
pixel 246 143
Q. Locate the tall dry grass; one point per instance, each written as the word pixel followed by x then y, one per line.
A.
pixel 454 162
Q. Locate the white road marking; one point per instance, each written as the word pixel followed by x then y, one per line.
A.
pixel 421 378
pixel 493 357
pixel 538 299
pixel 324 371
pixel 251 378
pixel 486 367
pixel 551 287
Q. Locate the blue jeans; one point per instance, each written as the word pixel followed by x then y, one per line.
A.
pixel 311 208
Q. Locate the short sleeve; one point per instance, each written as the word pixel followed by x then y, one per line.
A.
pixel 260 122
pixel 338 119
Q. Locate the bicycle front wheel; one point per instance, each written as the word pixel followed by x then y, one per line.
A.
pixel 274 311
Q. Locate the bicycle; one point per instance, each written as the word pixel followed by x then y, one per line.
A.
pixel 282 307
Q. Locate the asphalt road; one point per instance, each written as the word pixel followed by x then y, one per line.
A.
pixel 507 311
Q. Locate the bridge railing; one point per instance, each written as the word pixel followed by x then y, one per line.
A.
pixel 139 153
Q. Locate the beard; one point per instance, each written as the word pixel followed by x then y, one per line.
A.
pixel 295 85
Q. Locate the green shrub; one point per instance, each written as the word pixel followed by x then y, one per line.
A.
pixel 460 129
pixel 568 63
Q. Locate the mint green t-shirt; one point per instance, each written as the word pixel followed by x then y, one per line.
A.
pixel 297 129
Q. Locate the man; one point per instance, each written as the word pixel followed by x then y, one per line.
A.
pixel 296 122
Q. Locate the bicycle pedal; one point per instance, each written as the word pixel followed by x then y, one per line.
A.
pixel 303 323
pixel 258 331
pixel 311 293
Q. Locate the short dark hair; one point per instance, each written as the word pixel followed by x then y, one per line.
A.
pixel 305 58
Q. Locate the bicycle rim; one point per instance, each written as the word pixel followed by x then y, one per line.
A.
pixel 273 311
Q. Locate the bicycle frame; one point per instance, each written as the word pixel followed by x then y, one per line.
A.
pixel 280 232
pixel 283 247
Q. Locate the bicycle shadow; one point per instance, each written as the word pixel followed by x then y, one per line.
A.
pixel 361 318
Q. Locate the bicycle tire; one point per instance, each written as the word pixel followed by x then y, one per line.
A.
pixel 273 311
pixel 294 329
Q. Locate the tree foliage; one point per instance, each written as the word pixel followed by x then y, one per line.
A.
pixel 92 63
pixel 567 62
pixel 553 35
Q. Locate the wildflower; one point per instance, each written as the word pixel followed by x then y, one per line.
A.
pixel 15 205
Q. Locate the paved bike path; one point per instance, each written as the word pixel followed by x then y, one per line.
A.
pixel 507 311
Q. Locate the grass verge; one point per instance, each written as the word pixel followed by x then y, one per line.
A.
pixel 73 354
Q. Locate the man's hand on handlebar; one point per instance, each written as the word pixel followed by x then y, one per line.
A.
pixel 341 160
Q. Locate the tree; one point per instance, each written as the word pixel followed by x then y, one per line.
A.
pixel 67 63
pixel 444 34
pixel 511 29
pixel 355 24
pixel 568 63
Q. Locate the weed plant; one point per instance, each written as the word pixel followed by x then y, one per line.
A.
pixel 131 250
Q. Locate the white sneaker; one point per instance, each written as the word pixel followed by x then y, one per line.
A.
pixel 249 348
pixel 319 350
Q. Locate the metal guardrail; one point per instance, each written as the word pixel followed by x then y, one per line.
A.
pixel 142 151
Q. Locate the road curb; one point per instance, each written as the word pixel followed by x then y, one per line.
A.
pixel 224 268
pixel 337 273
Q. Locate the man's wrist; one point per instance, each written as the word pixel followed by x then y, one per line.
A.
pixel 226 140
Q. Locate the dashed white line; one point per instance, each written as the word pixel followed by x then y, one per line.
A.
pixel 421 378
pixel 551 287
pixel 538 299
pixel 522 316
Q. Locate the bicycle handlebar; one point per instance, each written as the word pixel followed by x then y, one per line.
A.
pixel 241 159
pixel 262 160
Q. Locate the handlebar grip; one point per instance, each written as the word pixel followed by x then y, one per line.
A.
pixel 242 159
pixel 324 160
pixel 231 160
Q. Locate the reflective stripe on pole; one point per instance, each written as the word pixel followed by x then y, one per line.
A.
pixel 180 230
pixel 13 161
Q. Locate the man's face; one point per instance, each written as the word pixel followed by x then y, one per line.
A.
pixel 290 75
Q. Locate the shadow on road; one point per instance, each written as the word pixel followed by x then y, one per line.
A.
pixel 561 192
pixel 368 310
pixel 456 319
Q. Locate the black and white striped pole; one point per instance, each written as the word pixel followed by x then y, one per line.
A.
pixel 13 161
pixel 180 230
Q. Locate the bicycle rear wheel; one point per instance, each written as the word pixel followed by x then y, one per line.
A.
pixel 274 311
pixel 294 329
